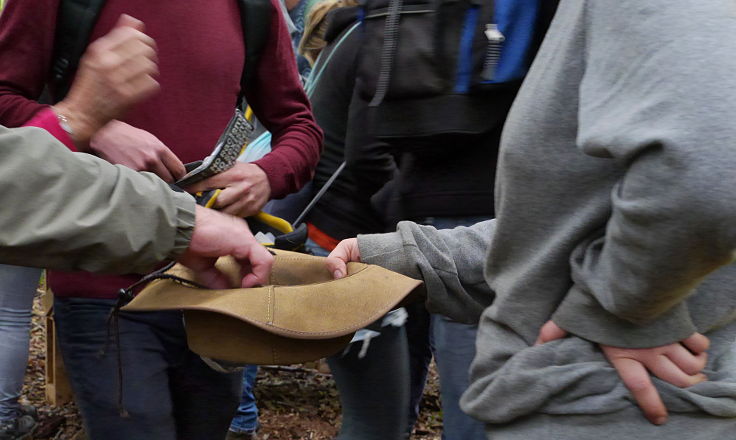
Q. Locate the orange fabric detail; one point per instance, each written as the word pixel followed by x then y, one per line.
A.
pixel 321 238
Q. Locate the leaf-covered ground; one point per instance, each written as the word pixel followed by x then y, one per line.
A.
pixel 295 403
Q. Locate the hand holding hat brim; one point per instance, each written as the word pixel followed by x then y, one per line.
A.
pixel 345 252
pixel 215 235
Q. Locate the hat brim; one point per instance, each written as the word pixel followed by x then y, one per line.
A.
pixel 302 311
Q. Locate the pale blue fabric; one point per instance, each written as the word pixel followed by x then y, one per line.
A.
pixel 17 287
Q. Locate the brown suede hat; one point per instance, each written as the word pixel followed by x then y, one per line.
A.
pixel 302 315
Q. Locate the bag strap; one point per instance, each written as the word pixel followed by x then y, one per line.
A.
pixel 388 52
pixel 314 77
pixel 74 24
pixel 319 195
pixel 255 16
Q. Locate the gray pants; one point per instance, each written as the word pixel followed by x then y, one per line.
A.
pixel 17 287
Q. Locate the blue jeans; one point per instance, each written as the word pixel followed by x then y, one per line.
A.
pixel 453 346
pixel 167 390
pixel 17 288
pixel 374 389
pixel 246 417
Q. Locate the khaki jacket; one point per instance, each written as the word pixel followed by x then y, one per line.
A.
pixel 73 211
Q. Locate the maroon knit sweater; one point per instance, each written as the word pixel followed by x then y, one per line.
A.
pixel 201 57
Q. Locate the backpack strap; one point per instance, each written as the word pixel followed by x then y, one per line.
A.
pixel 74 24
pixel 77 18
pixel 256 18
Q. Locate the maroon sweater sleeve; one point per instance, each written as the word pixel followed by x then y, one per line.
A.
pixel 26 43
pixel 281 105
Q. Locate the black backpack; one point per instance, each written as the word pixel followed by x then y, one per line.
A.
pixel 430 68
pixel 77 18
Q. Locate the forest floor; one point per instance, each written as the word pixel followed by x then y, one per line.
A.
pixel 295 403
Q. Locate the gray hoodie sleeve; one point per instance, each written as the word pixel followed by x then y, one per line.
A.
pixel 659 97
pixel 73 211
pixel 450 261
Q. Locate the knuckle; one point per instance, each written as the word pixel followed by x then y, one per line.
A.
pixel 149 160
pixel 697 366
pixel 94 50
pixel 107 62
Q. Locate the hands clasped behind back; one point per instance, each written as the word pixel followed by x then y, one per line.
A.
pixel 679 363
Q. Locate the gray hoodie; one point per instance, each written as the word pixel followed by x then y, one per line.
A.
pixel 616 205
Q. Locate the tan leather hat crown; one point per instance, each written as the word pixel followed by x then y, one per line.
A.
pixel 302 315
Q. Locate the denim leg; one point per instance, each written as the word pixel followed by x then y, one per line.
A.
pixel 246 416
pixel 420 355
pixel 17 288
pixel 82 330
pixel 374 389
pixel 454 349
pixel 168 391
pixel 204 400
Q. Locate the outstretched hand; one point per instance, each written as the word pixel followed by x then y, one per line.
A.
pixel 345 252
pixel 216 235
pixel 679 363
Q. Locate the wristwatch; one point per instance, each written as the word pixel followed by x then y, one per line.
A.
pixel 64 124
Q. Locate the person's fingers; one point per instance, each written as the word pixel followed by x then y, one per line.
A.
pixel 636 378
pixel 126 44
pixel 207 274
pixel 145 67
pixel 346 251
pixel 143 86
pixel 663 367
pixel 251 280
pixel 213 278
pixel 550 332
pixel 230 197
pixel 173 164
pixel 134 46
pixel 241 174
pixel 126 20
pixel 157 167
pixel 220 180
pixel 241 209
pixel 242 205
pixel 696 343
pixel 135 57
pixel 685 360
pixel 261 262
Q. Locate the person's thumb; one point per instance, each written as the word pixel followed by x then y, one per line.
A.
pixel 346 251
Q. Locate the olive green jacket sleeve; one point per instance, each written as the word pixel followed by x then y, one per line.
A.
pixel 73 211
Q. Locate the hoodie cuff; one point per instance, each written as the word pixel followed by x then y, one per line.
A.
pixel 580 314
